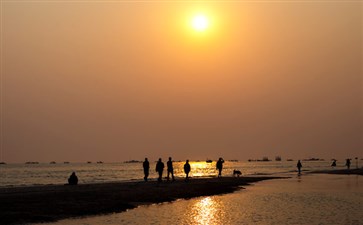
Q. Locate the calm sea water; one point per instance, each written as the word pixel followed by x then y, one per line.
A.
pixel 45 173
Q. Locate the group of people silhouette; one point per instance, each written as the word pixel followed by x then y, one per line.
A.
pixel 73 179
pixel 347 163
pixel 170 170
pixel 334 164
pixel 160 169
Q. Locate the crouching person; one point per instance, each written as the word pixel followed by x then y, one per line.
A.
pixel 73 179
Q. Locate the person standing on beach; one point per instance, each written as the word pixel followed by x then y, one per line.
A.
pixel 334 164
pixel 219 166
pixel 160 168
pixel 187 170
pixel 146 167
pixel 299 165
pixel 170 169
pixel 347 163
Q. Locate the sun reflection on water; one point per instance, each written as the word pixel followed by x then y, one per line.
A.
pixel 200 169
pixel 207 211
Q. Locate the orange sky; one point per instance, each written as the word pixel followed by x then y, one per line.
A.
pixel 117 80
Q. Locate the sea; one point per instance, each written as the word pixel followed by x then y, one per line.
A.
pixel 300 199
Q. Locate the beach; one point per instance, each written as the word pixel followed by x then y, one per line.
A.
pixel 50 203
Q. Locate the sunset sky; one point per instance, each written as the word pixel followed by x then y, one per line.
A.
pixel 121 80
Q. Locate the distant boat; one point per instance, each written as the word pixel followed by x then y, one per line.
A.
pixel 89 162
pixel 265 159
pixel 132 161
pixel 2 163
pixel 32 163
pixel 66 162
pixel 52 162
pixel 289 160
pixel 313 159
pixel 208 161
pixel 233 160
pixel 278 158
pixel 99 162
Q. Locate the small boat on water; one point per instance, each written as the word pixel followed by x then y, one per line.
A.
pixel 264 159
pixel 2 163
pixel 313 159
pixel 52 162
pixel 208 161
pixel 99 162
pixel 132 161
pixel 233 160
pixel 32 163
pixel 66 162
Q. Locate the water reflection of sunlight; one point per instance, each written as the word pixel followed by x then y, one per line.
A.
pixel 202 169
pixel 207 211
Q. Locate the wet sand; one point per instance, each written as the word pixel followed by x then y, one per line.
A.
pixel 341 171
pixel 54 202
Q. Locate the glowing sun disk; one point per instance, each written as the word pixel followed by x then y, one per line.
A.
pixel 200 23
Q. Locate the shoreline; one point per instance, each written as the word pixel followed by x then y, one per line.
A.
pixel 51 203
pixel 358 171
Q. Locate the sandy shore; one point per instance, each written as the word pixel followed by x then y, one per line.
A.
pixel 54 202
pixel 341 171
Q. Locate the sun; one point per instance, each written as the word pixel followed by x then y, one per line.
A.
pixel 200 23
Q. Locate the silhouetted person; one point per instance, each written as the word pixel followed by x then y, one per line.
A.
pixel 334 163
pixel 187 169
pixel 146 167
pixel 170 169
pixel 219 166
pixel 347 163
pixel 160 168
pixel 299 165
pixel 73 179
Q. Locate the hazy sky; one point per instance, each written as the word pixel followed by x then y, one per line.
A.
pixel 113 81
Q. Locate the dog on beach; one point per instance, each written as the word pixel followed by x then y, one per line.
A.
pixel 236 173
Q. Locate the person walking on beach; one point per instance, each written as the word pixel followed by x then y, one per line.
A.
pixel 160 168
pixel 299 165
pixel 347 163
pixel 334 164
pixel 146 167
pixel 219 166
pixel 73 179
pixel 170 169
pixel 187 170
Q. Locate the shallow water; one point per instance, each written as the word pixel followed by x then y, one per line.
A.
pixel 307 199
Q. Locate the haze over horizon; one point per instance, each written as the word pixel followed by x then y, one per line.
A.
pixel 114 81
